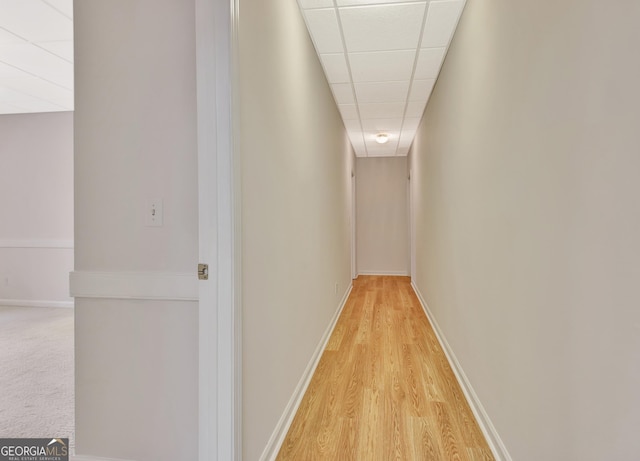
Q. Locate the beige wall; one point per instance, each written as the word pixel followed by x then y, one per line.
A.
pixel 36 205
pixel 525 178
pixel 382 216
pixel 296 164
pixel 135 139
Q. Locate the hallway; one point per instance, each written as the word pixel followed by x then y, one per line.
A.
pixel 383 388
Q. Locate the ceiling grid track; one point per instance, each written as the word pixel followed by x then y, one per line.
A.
pixel 353 89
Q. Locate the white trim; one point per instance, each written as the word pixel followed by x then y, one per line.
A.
pixel 354 268
pixel 35 303
pixel 134 285
pixel 38 243
pixel 277 437
pixel 392 273
pixel 220 386
pixel 488 429
pixel 412 229
pixel 207 226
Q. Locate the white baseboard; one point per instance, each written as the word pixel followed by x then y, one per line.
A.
pixel 394 273
pixel 277 438
pixel 488 429
pixel 35 303
pixel 167 286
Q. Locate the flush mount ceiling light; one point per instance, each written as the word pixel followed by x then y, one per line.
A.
pixel 382 138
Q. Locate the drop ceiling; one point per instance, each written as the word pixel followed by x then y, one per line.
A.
pixel 381 58
pixel 36 56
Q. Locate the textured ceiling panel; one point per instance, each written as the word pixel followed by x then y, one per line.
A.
pixel 381 124
pixel 381 110
pixel 343 93
pixel 382 27
pixel 348 111
pixel 63 6
pixel 62 49
pixel 335 68
pixel 382 91
pixel 367 2
pixel 429 62
pixel 326 33
pixel 382 66
pixel 420 88
pixel 315 3
pixel 442 18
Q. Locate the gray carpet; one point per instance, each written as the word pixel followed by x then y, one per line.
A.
pixel 36 372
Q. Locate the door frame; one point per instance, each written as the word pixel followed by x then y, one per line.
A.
pixel 220 381
pixel 412 225
pixel 354 268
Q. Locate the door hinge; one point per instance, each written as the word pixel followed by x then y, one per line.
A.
pixel 203 271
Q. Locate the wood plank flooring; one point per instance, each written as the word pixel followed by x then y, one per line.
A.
pixel 383 389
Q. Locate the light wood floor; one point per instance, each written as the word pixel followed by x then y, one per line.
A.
pixel 383 389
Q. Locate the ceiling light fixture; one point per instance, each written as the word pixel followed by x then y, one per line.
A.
pixel 382 138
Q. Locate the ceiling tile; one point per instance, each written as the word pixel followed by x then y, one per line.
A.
pixel 343 93
pixel 383 46
pixel 9 95
pixel 353 126
pixel 381 152
pixel 348 111
pixel 357 142
pixel 8 37
pixel 33 86
pixel 62 49
pixel 382 124
pixel 8 108
pixel 421 89
pixel 382 91
pixel 316 3
pixel 415 109
pixel 335 67
pixel 67 104
pixel 356 137
pixel 388 148
pixel 39 106
pixel 382 66
pixel 23 82
pixel 411 124
pixel 36 61
pixel 35 20
pixel 406 138
pixel 381 110
pixel 323 25
pixel 429 62
pixel 442 18
pixel 63 6
pixel 382 27
pixel 366 2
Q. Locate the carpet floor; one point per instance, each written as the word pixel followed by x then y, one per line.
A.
pixel 36 373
